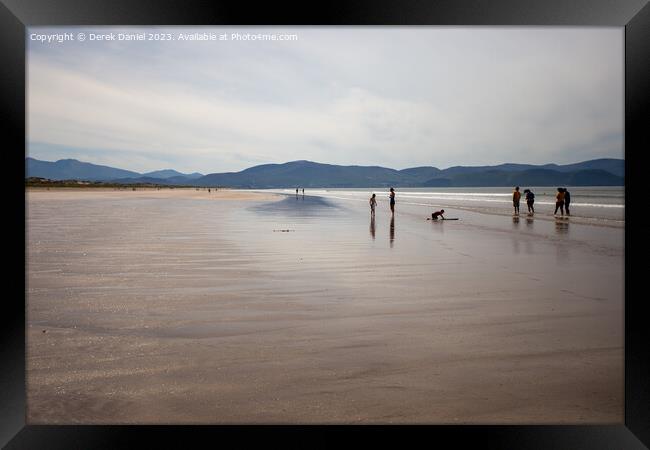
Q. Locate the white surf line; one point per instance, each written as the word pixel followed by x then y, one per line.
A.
pixel 429 196
pixel 594 205
pixel 586 220
pixel 548 217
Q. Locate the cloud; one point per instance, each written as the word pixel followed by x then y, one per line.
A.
pixel 397 97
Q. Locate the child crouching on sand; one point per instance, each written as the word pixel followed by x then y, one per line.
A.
pixel 435 215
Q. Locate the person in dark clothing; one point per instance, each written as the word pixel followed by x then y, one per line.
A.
pixel 530 199
pixel 567 200
pixel 392 200
pixel 435 215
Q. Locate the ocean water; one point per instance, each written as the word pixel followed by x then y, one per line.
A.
pixel 599 205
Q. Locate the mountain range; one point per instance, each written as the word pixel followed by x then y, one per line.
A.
pixel 71 169
pixel 308 174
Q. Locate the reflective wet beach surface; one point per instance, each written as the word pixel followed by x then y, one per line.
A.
pixel 306 310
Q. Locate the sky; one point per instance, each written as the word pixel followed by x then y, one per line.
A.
pixel 396 97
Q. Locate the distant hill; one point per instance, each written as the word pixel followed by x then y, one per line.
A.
pixel 305 174
pixel 421 174
pixel 613 166
pixel 70 169
pixel 309 174
pixel 170 173
pixel 142 180
pixel 528 177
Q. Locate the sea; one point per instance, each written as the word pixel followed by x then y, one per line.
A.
pixel 593 204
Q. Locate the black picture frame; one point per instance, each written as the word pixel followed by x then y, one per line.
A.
pixel 16 15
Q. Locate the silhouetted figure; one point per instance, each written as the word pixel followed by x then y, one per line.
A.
pixel 296 192
pixel 303 192
pixel 373 203
pixel 516 195
pixel 559 200
pixel 438 214
pixel 567 200
pixel 530 199
pixel 392 200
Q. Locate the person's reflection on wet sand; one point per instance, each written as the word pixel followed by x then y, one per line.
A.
pixel 515 237
pixel 529 247
pixel 529 222
pixel 561 226
pixel 392 230
pixel 372 227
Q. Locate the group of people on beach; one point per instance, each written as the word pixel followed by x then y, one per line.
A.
pixel 373 202
pixel 391 195
pixel 562 200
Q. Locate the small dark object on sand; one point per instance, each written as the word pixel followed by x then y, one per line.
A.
pixel 284 231
pixel 44 331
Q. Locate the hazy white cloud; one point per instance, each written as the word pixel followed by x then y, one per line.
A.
pixel 397 97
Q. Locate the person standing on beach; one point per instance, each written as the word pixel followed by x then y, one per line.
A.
pixel 296 192
pixel 530 199
pixel 373 203
pixel 559 201
pixel 567 200
pixel 303 192
pixel 392 200
pixel 516 195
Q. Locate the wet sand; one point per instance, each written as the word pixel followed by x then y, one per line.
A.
pixel 170 307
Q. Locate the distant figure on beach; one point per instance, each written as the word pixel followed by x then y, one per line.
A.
pixel 559 200
pixel 516 195
pixel 435 215
pixel 208 190
pixel 530 199
pixel 392 200
pixel 373 203
pixel 303 192
pixel 296 192
pixel 567 200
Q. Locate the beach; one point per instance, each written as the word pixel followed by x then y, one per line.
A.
pixel 179 306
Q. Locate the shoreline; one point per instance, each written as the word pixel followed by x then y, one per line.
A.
pixel 493 212
pixel 269 194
